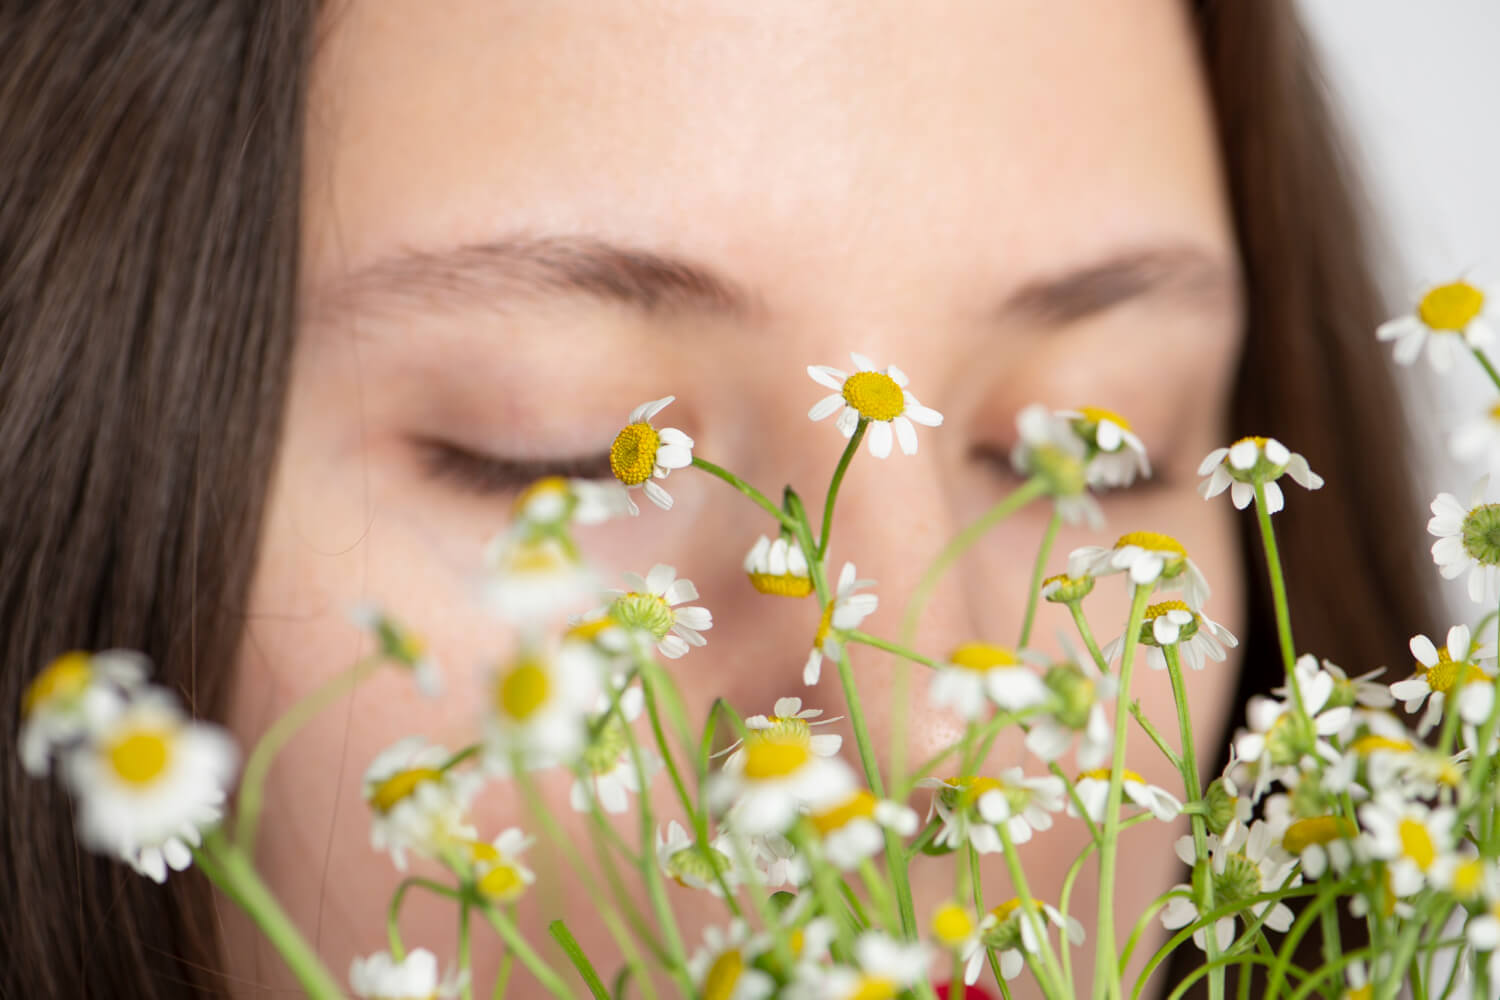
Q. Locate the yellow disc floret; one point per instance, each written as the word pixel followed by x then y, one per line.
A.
pixel 523 689
pixel 141 755
pixel 1321 830
pixel 1451 307
pixel 952 925
pixel 982 656
pixel 1416 843
pixel 875 395
pixel 1152 541
pixel 1162 607
pixel 723 976
pixel 860 805
pixel 767 760
pixel 781 584
pixel 64 678
pixel 400 786
pixel 632 457
pixel 1098 415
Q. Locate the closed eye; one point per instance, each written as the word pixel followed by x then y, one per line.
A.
pixel 493 475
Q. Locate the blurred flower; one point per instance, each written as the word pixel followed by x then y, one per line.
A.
pixel 1117 455
pixel 498 872
pixel 416 805
pixel 774 781
pixel 380 977
pixel 539 704
pixel 71 699
pixel 554 502
pixel 1049 448
pixel 530 579
pixel 1092 789
pixel 723 967
pixel 854 829
pixel 1409 837
pixel 607 770
pixel 977 671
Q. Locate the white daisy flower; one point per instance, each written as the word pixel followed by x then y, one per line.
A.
pixel 777 862
pixel 846 611
pixel 1458 666
pixel 681 860
pixel 1244 863
pixel 611 643
pixel 1274 745
pixel 414 803
pixel 854 829
pixel 1117 455
pixel 778 568
pixel 1065 589
pixel 380 977
pixel 957 932
pixel 1092 789
pixel 878 395
pixel 497 870
pixel 972 808
pixel 723 967
pixel 1319 843
pixel 73 696
pixel 1079 698
pixel 1006 929
pixel 650 605
pixel 1468 542
pixel 147 777
pixel 884 967
pixel 773 782
pixel 790 722
pixel 1254 460
pixel 539 705
pixel 1048 446
pixel 535 578
pixel 1445 315
pixel 1149 557
pixel 642 454
pixel 401 646
pixel 979 671
pixel 606 768
pixel 1409 837
pixel 1363 691
pixel 554 502
pixel 1172 623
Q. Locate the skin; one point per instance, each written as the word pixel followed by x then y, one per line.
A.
pixel 870 181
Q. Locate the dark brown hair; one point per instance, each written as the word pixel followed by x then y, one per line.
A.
pixel 149 229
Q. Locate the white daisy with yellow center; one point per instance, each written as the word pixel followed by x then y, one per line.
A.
pixel 1048 447
pixel 539 706
pixel 606 771
pixel 877 395
pixel 1468 541
pixel 415 977
pixel 854 829
pixel 415 803
pixel 496 867
pixel 1006 929
pixel 683 862
pixel 1409 837
pixel 530 578
pixel 1277 742
pixel 955 930
pixel 149 777
pixel 1448 316
pixel 401 646
pixel 778 568
pixel 650 606
pixel 1092 789
pixel 642 454
pixel 884 968
pixel 979 673
pixel 1319 843
pixel 554 502
pixel 774 781
pixel 1243 863
pixel 1198 638
pixel 1458 670
pixel 973 807
pixel 1150 558
pixel 846 611
pixel 723 966
pixel 1254 460
pixel 1116 454
pixel 71 698
pixel 789 721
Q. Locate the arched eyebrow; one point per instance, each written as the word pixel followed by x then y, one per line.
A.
pixel 530 270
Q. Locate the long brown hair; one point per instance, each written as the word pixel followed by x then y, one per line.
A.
pixel 149 193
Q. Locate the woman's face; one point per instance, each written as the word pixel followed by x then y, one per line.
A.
pixel 1013 202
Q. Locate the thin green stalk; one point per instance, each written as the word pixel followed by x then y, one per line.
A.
pixel 586 972
pixel 1193 786
pixel 1087 634
pixel 880 896
pixel 1053 983
pixel 1038 571
pixel 505 926
pixel 866 639
pixel 1489 369
pixel 754 494
pixel 1139 715
pixel 465 965
pixel 1278 596
pixel 393 913
pixel 833 487
pixel 502 979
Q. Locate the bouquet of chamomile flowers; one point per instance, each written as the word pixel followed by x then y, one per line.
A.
pixel 1333 808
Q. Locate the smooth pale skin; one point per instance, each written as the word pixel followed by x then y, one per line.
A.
pixel 875 180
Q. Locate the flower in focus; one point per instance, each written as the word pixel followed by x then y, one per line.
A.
pixel 1078 698
pixel 651 606
pixel 1468 541
pixel 971 808
pixel 641 453
pixel 149 778
pixel 1009 932
pixel 498 872
pixel 878 395
pixel 1348 691
pixel 1278 741
pixel 1092 789
pixel 402 646
pixel 854 829
pixel 1172 623
pixel 1050 449
pixel 416 803
pixel 554 502
pixel 790 722
pixel 1065 589
pixel 1149 557
pixel 979 670
pixel 884 967
pixel 775 780
pixel 1117 455
pixel 1453 671
pixel 539 704
pixel 682 861
pixel 846 611
pixel 1410 837
pixel 607 770
pixel 723 967
pixel 532 578
pixel 71 698
pixel 1243 863
pixel 1444 315
pixel 1250 461
pixel 778 568
pixel 380 977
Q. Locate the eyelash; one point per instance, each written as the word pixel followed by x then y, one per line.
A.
pixel 487 475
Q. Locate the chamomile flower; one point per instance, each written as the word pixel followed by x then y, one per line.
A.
pixel 381 977
pixel 1150 558
pixel 535 578
pixel 606 770
pixel 402 646
pixel 72 697
pixel 1243 863
pixel 878 395
pixel 497 870
pixel 683 862
pixel 854 829
pixel 1362 691
pixel 790 722
pixel 1409 837
pixel 415 803
pixel 554 502
pixel 774 781
pixel 149 776
pixel 539 704
pixel 1253 460
pixel 651 606
pixel 977 671
pixel 1277 742
pixel 1092 789
pixel 1172 623
pixel 955 930
pixel 1078 698
pixel 641 453
pixel 1445 315
pixel 846 611
pixel 1478 438
pixel 778 568
pixel 1065 589
pixel 1468 542
pixel 723 967
pixel 883 967
pixel 1013 936
pixel 1050 449
pixel 971 808
pixel 1319 843
pixel 1453 671
pixel 1117 455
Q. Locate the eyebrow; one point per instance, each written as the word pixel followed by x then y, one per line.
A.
pixel 532 269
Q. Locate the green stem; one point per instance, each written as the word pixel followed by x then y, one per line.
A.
pixel 865 639
pixel 1053 983
pixel 1087 634
pixel 1038 571
pixel 464 962
pixel 1193 786
pixel 754 494
pixel 506 928
pixel 393 913
pixel 1489 369
pixel 1278 596
pixel 836 482
pixel 586 972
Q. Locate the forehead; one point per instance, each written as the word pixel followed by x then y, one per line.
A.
pixel 809 148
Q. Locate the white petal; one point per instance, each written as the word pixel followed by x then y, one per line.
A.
pixel 1275 500
pixel 863 363
pixel 657 495
pixel 924 415
pixel 1212 459
pixel 828 378
pixel 906 435
pixel 1243 455
pixel 1423 649
pixel 880 438
pixel 825 407
pixel 1241 494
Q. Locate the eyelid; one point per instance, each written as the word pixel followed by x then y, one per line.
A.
pixel 488 475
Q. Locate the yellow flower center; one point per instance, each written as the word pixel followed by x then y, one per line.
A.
pixel 1322 830
pixel 633 455
pixel 1494 412
pixel 1468 878
pixel 952 925
pixel 860 805
pixel 502 882
pixel 1445 674
pixel 542 555
pixel 1162 607
pixel 546 486
pixel 781 585
pixel 1451 307
pixel 766 760
pixel 873 988
pixel 982 656
pixel 723 975
pixel 875 395
pixel 1369 744
pixel 1153 541
pixel 524 689
pixel 825 626
pixel 1365 992
pixel 1416 843
pixel 590 630
pixel 1003 912
pixel 1102 774
pixel 1098 415
pixel 64 678
pixel 400 785
pixel 141 755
